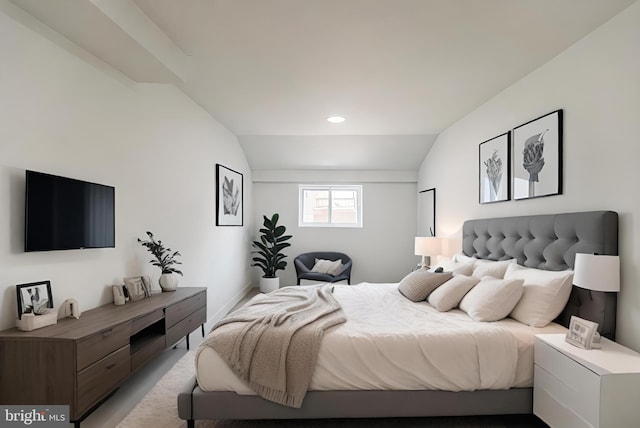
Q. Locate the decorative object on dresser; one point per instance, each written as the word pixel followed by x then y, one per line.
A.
pixel 119 296
pixel 494 169
pixel 583 333
pixel 35 306
pixel 579 388
pixel 229 195
pixel 165 260
pixel 537 157
pixel 269 252
pixel 69 308
pixel 427 246
pixel 34 298
pixel 80 362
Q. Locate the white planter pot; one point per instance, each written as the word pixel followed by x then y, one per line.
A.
pixel 168 281
pixel 268 285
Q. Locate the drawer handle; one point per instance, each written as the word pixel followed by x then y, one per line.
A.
pixel 110 366
pixel 107 332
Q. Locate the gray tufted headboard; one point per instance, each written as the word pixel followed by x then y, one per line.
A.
pixel 550 242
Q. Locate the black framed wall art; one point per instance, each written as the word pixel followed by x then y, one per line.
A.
pixel 537 157
pixel 494 169
pixel 427 212
pixel 229 191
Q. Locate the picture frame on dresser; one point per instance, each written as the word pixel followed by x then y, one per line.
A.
pixel 581 332
pixel 33 297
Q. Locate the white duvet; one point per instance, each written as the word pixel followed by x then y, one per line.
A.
pixel 392 343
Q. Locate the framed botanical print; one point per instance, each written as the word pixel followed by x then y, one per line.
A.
pixel 494 169
pixel 537 157
pixel 229 190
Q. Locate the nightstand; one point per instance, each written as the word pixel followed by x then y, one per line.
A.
pixel 575 387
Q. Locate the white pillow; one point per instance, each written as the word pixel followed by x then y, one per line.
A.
pixel 483 268
pixel 492 299
pixel 448 265
pixel 462 258
pixel 545 294
pixel 327 266
pixel 449 294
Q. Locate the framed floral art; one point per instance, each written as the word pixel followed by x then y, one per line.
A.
pixel 494 169
pixel 537 157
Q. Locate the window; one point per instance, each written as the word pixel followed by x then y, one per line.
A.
pixel 330 206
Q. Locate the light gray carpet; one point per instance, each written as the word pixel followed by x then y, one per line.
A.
pixel 158 410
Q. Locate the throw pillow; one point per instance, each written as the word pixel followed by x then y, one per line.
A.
pixel 327 266
pixel 492 299
pixel 544 296
pixel 463 258
pixel 492 268
pixel 449 294
pixel 420 283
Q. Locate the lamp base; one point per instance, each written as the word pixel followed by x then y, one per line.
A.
pixel 424 264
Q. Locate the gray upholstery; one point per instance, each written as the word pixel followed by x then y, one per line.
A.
pixel 304 263
pixel 547 242
pixel 550 242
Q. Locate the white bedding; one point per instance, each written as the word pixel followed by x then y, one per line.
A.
pixel 392 343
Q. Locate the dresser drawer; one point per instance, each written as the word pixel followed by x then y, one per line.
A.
pixel 101 344
pixel 149 349
pixel 179 311
pixel 146 320
pixel 559 405
pixel 98 380
pixel 186 326
pixel 569 372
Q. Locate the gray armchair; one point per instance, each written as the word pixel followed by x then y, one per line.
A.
pixel 304 263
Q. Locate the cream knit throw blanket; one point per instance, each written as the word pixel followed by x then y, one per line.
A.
pixel 272 342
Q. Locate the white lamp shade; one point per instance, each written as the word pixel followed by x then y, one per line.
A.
pixel 428 246
pixel 596 272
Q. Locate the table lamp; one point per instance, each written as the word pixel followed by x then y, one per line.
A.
pixel 597 272
pixel 427 246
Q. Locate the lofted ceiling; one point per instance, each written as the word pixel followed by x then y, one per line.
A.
pixel 272 71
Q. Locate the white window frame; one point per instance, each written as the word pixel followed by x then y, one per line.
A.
pixel 330 187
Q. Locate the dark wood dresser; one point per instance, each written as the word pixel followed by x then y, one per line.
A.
pixel 79 362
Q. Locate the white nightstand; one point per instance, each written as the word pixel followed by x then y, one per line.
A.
pixel 576 387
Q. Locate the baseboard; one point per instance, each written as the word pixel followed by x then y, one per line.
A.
pixel 222 312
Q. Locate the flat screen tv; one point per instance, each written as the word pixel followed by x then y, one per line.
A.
pixel 64 214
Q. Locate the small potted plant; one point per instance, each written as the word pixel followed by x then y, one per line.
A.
pixel 164 259
pixel 269 252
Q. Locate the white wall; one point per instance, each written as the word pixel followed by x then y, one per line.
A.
pixel 597 83
pixel 68 116
pixel 382 250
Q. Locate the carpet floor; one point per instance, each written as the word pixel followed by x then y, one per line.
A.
pixel 158 410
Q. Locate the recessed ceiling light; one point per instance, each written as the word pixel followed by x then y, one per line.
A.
pixel 336 119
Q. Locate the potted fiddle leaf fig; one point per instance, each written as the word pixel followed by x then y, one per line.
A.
pixel 269 256
pixel 165 259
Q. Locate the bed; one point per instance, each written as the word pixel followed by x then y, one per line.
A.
pixel 547 242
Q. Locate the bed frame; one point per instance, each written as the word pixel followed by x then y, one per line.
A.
pixel 547 242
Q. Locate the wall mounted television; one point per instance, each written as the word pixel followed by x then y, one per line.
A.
pixel 64 214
